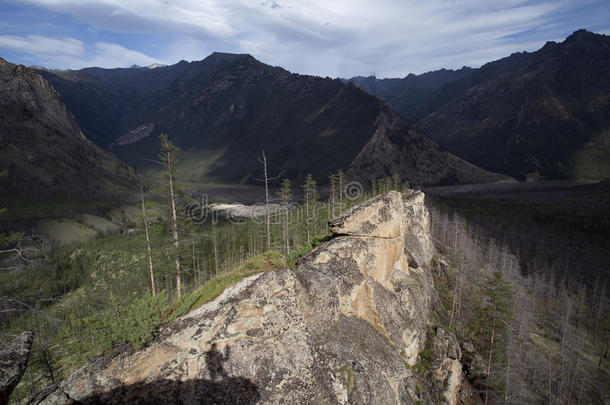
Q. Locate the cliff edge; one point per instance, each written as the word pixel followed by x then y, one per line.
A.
pixel 345 326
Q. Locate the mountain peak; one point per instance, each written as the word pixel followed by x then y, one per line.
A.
pixel 582 35
pixel 225 56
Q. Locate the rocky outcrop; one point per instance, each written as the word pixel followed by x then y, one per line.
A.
pixel 447 369
pixel 13 360
pixel 345 326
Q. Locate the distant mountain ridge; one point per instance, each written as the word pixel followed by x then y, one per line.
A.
pixel 42 147
pixel 406 95
pixel 224 110
pixel 544 114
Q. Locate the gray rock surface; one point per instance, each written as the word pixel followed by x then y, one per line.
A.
pixel 343 327
pixel 13 361
pixel 446 365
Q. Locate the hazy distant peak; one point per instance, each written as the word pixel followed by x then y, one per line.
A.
pixel 151 66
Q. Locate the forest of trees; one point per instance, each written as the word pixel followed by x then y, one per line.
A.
pixel 526 336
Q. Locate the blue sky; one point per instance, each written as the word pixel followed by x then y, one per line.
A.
pixel 388 38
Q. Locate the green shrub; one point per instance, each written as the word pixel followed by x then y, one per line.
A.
pixel 96 334
pixel 301 251
pixel 267 261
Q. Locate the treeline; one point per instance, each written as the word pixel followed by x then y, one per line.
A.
pixel 526 337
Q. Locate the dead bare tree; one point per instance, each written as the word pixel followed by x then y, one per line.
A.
pixel 266 179
pixel 286 195
pixel 149 251
pixel 169 152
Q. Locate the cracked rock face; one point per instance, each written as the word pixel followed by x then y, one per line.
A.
pixel 13 360
pixel 340 328
pixel 447 368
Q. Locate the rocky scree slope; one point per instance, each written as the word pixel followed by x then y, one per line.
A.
pixel 43 148
pixel 345 326
pixel 224 110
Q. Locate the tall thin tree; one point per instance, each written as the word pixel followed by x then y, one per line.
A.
pixel 169 152
pixel 340 186
pixel 286 194
pixel 267 211
pixel 149 251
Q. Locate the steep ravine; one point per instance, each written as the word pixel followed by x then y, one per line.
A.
pixel 346 326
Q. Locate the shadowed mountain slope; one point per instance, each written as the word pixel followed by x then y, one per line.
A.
pixel 408 95
pixel 529 115
pixel 42 148
pixel 224 110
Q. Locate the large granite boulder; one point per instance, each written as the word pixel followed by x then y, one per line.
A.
pixel 345 326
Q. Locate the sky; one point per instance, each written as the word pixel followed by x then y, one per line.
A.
pixel 335 38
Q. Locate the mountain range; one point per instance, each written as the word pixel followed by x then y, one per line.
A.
pixel 43 149
pixel 225 110
pixel 544 114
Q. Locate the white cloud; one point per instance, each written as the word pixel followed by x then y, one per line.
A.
pixel 339 37
pixel 50 50
pixel 71 53
pixel 113 55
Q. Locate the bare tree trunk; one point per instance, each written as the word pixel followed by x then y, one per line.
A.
pixel 307 212
pixel 455 297
pixel 150 263
pixel 550 380
pixel 268 214
pixel 215 252
pixel 491 347
pixel 572 381
pixel 332 196
pixel 520 335
pixel 506 382
pixel 194 262
pixel 174 227
pixel 599 313
pixel 340 185
pixel 286 224
pixel 457 276
pixel 563 335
